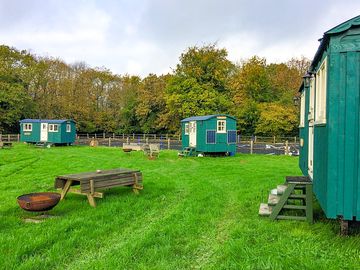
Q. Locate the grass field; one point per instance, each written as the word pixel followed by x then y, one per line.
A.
pixel 193 213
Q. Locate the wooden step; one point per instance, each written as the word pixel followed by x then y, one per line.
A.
pixel 273 199
pixel 294 207
pixel 273 191
pixel 298 179
pixel 290 217
pixel 281 189
pixel 265 209
pixel 297 196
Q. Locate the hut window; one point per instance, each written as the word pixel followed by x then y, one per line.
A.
pixel 221 126
pixel 231 136
pixel 186 131
pixel 320 95
pixel 53 128
pixel 311 99
pixel 210 137
pixel 27 127
pixel 302 109
pixel 68 128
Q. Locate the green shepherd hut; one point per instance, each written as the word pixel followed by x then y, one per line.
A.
pixel 209 134
pixel 48 131
pixel 330 122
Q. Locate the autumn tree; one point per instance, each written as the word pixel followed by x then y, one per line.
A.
pixel 151 103
pixel 198 86
pixel 276 120
pixel 15 100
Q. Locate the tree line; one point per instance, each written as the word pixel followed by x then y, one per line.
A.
pixel 258 94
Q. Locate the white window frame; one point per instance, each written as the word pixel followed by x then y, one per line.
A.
pixel 186 129
pixel 302 109
pixel 311 114
pixel 320 93
pixel 52 128
pixel 27 127
pixel 68 127
pixel 221 126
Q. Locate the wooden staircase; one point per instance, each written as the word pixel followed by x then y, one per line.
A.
pixel 187 152
pixel 292 200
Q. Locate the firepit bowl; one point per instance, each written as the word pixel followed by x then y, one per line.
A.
pixel 38 202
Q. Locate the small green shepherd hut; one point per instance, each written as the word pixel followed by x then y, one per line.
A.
pixel 209 134
pixel 330 122
pixel 47 131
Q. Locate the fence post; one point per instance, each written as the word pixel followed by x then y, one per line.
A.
pixel 295 139
pixel 144 136
pixel 18 137
pixel 154 136
pixel 123 136
pixel 255 138
pixel 274 139
pixel 0 137
pixel 147 140
pixel 113 135
pixel 168 143
pixel 133 136
pixel 87 135
pixel 103 135
pixel 127 140
pixel 251 146
pixel 287 148
pixel 95 135
pixel 179 137
pixel 8 137
pixel 109 141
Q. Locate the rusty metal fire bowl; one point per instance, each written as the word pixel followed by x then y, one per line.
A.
pixel 38 202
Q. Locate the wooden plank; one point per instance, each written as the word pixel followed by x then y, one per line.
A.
pixel 350 136
pixel 65 189
pixel 309 204
pixel 282 217
pixel 336 181
pixel 92 189
pixel 298 179
pixel 91 200
pixel 335 107
pixel 86 189
pixel 294 207
pixel 87 175
pixel 95 195
pixel 276 210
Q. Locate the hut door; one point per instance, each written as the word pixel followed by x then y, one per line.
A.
pixel 192 134
pixel 44 132
pixel 311 151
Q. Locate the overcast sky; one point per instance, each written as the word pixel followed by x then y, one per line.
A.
pixel 139 37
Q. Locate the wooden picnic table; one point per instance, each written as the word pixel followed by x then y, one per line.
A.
pixel 5 144
pixel 91 182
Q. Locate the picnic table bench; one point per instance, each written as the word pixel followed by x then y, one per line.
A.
pixel 5 144
pixel 91 182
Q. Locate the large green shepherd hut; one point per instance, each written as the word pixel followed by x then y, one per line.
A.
pixel 330 122
pixel 209 134
pixel 47 131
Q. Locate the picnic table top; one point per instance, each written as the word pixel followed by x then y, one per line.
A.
pixel 94 175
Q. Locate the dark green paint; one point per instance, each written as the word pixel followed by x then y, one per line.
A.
pixel 336 176
pixel 221 145
pixel 59 137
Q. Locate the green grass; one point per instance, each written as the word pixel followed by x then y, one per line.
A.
pixel 193 213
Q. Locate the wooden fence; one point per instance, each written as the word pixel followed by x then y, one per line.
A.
pixel 245 144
